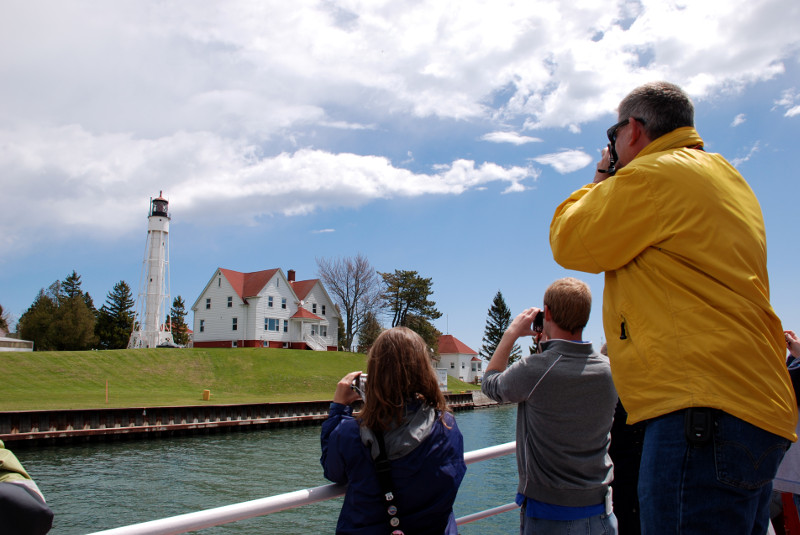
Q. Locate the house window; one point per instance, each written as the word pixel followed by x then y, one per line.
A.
pixel 323 330
pixel 208 303
pixel 272 324
pixel 283 303
pixel 219 282
pixel 202 325
pixel 323 310
pixel 314 308
pixel 230 302
pixel 462 366
pixel 269 301
pixel 235 324
pixel 452 365
pixel 474 366
pixel 286 326
pixel 235 344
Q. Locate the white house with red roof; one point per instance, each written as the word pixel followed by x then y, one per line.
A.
pixel 265 309
pixel 459 360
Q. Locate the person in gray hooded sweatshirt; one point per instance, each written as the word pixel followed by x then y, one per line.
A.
pixel 566 400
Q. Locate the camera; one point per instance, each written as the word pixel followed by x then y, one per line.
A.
pixel 360 384
pixel 538 321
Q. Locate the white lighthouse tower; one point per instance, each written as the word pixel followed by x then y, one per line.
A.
pixel 151 327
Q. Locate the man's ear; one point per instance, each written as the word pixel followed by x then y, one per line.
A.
pixel 637 132
pixel 548 315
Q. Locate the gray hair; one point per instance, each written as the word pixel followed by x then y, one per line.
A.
pixel 661 105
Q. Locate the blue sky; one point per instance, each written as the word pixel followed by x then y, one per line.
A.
pixel 429 136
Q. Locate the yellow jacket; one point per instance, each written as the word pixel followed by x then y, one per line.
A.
pixel 680 237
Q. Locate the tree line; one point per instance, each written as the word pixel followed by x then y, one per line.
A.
pixel 363 295
pixel 63 318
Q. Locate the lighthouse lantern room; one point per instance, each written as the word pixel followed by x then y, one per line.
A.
pixel 151 326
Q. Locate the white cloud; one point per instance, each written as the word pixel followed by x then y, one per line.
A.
pixel 509 137
pixel 77 179
pixel 264 101
pixel 739 119
pixel 565 161
pixel 736 162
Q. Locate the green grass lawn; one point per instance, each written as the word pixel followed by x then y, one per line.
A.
pixel 158 377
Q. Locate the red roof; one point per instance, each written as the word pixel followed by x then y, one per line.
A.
pixel 450 344
pixel 248 284
pixel 301 288
pixel 305 314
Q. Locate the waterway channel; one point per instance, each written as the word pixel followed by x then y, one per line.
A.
pixel 97 486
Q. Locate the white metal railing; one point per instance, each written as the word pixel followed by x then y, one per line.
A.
pixel 273 504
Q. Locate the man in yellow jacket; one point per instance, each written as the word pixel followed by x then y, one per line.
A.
pixel 696 349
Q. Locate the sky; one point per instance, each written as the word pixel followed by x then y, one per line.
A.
pixel 430 136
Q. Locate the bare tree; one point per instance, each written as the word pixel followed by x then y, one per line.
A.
pixel 355 287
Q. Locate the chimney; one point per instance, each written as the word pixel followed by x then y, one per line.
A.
pixel 290 274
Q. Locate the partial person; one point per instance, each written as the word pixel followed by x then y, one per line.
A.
pixel 566 401
pixel 626 454
pixel 23 510
pixel 402 455
pixel 696 348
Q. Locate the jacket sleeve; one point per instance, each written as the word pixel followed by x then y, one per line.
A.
pixel 602 227
pixel 517 382
pixel 332 461
pixel 22 511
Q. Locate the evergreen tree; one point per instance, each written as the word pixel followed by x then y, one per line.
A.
pixel 496 324
pixel 36 323
pixel 115 318
pixel 407 294
pixel 180 334
pixel 370 329
pixel 75 318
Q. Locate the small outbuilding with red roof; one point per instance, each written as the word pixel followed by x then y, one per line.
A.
pixel 459 360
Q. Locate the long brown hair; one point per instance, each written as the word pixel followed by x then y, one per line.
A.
pixel 399 370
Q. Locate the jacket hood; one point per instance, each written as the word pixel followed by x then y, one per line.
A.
pixel 402 439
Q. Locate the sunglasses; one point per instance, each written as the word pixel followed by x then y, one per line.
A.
pixel 612 132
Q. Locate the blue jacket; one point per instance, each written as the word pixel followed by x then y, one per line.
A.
pixel 425 479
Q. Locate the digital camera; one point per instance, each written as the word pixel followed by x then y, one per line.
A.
pixel 538 321
pixel 360 384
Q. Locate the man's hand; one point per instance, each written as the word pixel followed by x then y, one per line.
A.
pixel 521 326
pixel 603 164
pixel 792 343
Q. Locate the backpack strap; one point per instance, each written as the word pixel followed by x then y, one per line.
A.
pixel 384 471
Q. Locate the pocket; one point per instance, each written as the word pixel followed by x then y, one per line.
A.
pixel 746 456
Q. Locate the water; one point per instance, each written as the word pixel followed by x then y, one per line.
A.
pixel 92 487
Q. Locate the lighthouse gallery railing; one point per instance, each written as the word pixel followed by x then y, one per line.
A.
pixel 273 504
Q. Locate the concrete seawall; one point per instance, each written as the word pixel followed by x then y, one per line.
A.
pixel 30 428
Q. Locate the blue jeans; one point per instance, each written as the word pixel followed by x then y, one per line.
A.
pixel 722 486
pixel 594 525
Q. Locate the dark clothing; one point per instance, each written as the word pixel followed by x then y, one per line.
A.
pixel 626 454
pixel 425 479
pixel 22 512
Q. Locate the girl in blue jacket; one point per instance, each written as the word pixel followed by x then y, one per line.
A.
pixel 422 458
